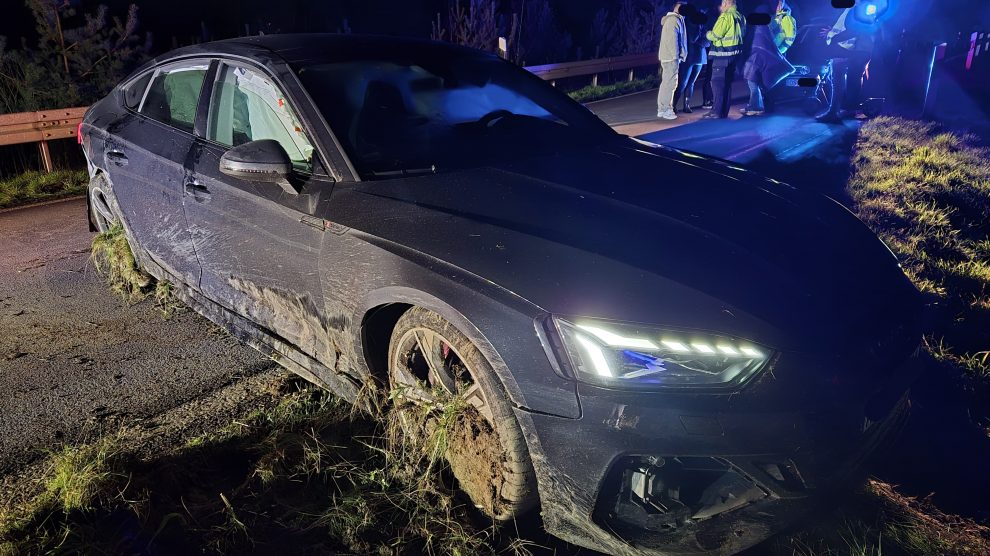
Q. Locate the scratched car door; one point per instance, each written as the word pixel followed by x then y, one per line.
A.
pixel 146 152
pixel 258 244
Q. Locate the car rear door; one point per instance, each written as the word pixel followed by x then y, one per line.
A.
pixel 258 244
pixel 146 153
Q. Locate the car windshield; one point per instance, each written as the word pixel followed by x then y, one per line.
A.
pixel 432 108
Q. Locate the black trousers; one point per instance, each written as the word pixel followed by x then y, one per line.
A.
pixel 723 72
pixel 848 71
pixel 707 95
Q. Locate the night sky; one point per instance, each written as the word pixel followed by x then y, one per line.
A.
pixel 183 21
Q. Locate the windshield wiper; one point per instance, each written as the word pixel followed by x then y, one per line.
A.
pixel 404 172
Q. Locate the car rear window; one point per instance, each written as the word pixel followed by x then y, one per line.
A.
pixel 174 95
pixel 134 91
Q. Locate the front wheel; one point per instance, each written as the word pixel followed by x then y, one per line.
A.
pixel 432 363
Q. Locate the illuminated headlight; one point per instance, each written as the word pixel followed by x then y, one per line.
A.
pixel 627 356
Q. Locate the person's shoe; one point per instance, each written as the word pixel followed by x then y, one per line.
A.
pixel 708 105
pixel 687 109
pixel 711 116
pixel 668 115
pixel 753 113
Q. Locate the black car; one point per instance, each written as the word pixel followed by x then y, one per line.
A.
pixel 678 355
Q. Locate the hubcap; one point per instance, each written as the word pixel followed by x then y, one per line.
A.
pixel 425 361
pixel 105 218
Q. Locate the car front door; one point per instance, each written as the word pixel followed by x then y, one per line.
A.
pixel 146 154
pixel 259 245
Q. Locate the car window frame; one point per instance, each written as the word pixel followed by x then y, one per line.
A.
pixel 318 167
pixel 154 71
pixel 322 167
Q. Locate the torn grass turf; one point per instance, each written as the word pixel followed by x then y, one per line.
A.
pixel 113 259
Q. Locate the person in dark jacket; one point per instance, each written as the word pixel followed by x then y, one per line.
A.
pixel 851 41
pixel 765 67
pixel 697 56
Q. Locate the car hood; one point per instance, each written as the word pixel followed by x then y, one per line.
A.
pixel 646 234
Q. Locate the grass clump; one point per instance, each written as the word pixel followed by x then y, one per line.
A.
pixel 592 93
pixel 77 479
pixel 33 187
pixel 113 259
pixel 926 193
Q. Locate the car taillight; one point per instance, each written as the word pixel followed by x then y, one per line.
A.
pixel 79 137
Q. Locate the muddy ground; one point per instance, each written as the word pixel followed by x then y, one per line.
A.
pixel 76 361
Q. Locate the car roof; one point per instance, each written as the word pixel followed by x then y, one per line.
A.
pixel 296 48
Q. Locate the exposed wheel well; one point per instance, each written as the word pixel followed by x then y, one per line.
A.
pixel 376 334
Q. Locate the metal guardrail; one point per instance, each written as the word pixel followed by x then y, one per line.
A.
pixel 553 72
pixel 40 127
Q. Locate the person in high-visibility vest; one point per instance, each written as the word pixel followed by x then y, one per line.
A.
pixel 785 27
pixel 727 44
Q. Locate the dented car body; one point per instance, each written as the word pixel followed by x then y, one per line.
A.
pixel 696 355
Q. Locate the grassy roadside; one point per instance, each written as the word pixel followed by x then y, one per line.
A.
pixel 926 192
pixel 307 475
pixel 593 93
pixel 34 187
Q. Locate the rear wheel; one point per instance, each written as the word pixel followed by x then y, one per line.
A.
pixel 103 203
pixel 431 363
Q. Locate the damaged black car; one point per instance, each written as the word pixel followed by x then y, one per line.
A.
pixel 678 356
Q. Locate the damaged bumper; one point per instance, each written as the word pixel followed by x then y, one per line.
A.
pixel 709 475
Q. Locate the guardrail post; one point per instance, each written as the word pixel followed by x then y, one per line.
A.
pixel 594 80
pixel 46 156
pixel 630 74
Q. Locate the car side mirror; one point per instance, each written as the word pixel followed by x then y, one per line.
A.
pixel 263 160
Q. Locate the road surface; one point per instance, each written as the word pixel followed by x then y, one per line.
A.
pixel 787 145
pixel 75 360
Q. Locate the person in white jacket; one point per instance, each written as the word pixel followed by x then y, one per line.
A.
pixel 673 51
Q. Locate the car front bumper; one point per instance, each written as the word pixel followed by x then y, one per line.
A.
pixel 703 476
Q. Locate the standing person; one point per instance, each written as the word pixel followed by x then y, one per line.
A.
pixel 727 42
pixel 785 27
pixel 697 56
pixel 765 67
pixel 707 95
pixel 673 51
pixel 851 41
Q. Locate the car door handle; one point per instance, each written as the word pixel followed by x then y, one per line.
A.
pixel 117 157
pixel 198 192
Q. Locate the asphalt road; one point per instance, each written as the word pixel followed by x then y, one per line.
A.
pixel 75 360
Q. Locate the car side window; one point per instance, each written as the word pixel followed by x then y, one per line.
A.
pixel 248 106
pixel 174 95
pixel 134 92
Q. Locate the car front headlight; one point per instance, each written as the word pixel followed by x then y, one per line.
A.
pixel 636 357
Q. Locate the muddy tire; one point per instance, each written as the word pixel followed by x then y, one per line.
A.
pixel 487 453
